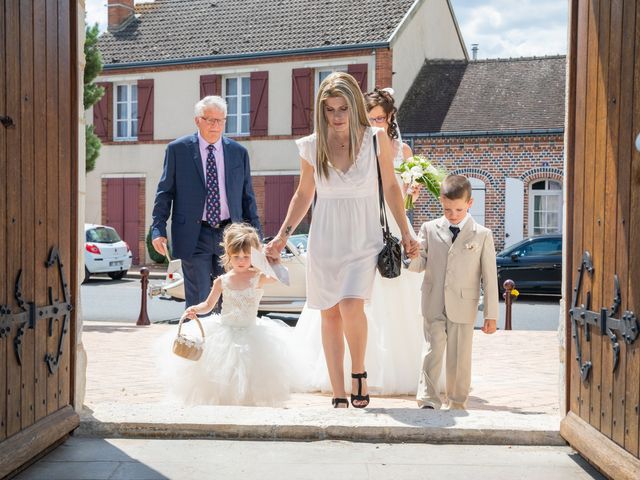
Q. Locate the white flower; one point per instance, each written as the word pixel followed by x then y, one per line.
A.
pixel 433 170
pixel 407 177
pixel 472 246
pixel 417 171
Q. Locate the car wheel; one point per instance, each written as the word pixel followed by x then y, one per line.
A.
pixel 86 275
pixel 117 275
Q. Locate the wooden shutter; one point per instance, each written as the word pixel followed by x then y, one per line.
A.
pixel 210 85
pixel 259 112
pixel 302 101
pixel 359 72
pixel 145 109
pixel 102 114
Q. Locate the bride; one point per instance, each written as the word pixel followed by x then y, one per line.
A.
pixel 394 349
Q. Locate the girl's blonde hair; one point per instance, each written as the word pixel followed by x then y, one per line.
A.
pixel 238 237
pixel 339 84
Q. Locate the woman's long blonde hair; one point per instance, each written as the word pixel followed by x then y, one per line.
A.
pixel 339 84
pixel 238 237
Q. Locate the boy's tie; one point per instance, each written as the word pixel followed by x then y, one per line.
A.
pixel 455 231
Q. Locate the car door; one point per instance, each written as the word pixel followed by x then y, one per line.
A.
pixel 537 266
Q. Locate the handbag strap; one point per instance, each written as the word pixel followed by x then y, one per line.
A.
pixel 197 321
pixel 383 211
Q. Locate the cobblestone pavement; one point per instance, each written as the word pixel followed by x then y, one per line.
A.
pixel 515 371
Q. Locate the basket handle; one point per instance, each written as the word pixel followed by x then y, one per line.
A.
pixel 197 321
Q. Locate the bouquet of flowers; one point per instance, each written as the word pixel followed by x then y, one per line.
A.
pixel 417 170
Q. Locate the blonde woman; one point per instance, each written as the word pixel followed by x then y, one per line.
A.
pixel 339 163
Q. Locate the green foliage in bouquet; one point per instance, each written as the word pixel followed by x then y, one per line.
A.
pixel 417 170
pixel 155 256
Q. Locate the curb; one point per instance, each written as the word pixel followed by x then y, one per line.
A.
pixel 371 425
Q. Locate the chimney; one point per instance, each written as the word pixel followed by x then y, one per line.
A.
pixel 120 13
pixel 474 51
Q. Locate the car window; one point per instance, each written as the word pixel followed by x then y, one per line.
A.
pixel 547 246
pixel 102 235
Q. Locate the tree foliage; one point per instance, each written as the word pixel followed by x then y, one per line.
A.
pixel 92 92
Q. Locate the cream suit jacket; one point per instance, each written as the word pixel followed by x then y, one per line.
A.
pixel 453 273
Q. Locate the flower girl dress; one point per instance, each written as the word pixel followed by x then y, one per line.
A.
pixel 246 360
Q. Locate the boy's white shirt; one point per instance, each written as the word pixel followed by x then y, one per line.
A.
pixel 453 271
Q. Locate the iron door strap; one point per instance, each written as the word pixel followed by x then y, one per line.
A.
pixel 28 314
pixel 605 320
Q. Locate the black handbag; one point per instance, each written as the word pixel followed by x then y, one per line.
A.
pixel 390 257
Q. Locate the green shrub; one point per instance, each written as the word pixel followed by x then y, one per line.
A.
pixel 155 256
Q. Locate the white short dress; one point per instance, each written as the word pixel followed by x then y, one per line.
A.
pixel 345 235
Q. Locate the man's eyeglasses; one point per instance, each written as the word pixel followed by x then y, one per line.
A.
pixel 214 121
pixel 380 119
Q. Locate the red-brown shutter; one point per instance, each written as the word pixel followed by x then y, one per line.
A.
pixel 302 101
pixel 145 109
pixel 102 114
pixel 210 85
pixel 359 72
pixel 259 108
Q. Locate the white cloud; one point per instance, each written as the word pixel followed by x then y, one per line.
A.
pixel 502 29
pixel 96 11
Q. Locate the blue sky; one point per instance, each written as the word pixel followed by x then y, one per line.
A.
pixel 502 28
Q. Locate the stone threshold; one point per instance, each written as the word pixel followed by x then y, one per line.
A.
pixel 383 425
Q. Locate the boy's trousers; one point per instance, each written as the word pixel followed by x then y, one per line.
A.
pixel 454 339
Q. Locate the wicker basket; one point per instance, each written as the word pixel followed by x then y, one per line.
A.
pixel 188 347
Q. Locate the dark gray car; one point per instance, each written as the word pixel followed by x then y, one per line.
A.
pixel 534 264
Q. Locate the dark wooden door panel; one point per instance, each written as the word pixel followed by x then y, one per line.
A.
pixel 38 205
pixel 604 194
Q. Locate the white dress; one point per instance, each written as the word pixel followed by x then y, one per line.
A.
pixel 246 360
pixel 345 236
pixel 395 340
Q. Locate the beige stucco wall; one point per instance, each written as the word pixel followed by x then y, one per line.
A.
pixel 431 34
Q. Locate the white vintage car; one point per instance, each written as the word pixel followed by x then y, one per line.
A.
pixel 277 296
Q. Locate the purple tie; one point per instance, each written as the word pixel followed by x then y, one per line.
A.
pixel 213 190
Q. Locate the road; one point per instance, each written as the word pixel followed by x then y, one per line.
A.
pixel 104 299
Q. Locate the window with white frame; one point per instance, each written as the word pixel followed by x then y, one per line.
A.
pixel 126 111
pixel 545 207
pixel 324 72
pixel 237 93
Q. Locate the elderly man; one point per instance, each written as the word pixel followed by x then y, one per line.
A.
pixel 205 185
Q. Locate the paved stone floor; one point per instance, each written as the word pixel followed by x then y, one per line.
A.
pixel 515 371
pixel 142 459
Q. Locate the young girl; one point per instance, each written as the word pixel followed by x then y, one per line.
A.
pixel 246 360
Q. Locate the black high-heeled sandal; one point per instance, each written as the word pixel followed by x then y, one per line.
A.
pixel 359 397
pixel 339 401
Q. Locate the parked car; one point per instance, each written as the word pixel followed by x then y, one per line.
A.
pixel 534 264
pixel 105 252
pixel 277 296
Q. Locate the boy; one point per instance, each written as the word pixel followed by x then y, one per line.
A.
pixel 460 254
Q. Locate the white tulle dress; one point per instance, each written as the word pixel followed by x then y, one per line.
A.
pixel 395 341
pixel 246 360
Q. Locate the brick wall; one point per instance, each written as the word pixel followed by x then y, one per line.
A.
pixel 384 68
pixel 492 159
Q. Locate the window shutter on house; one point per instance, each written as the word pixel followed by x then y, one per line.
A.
pixel 302 101
pixel 145 109
pixel 102 114
pixel 210 85
pixel 359 72
pixel 259 103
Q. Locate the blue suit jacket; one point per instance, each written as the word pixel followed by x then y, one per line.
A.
pixel 182 191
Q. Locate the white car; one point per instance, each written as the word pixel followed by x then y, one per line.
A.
pixel 105 252
pixel 277 296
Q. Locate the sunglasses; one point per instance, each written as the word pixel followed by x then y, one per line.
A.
pixel 380 119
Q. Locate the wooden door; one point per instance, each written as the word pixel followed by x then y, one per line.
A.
pixel 278 190
pixel 38 225
pixel 603 180
pixel 123 210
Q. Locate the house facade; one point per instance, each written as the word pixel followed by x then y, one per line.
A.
pixel 266 59
pixel 500 122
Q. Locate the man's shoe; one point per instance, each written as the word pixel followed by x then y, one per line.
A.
pixel 427 407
